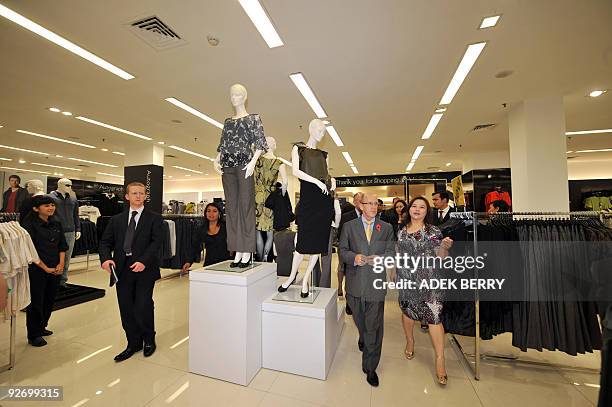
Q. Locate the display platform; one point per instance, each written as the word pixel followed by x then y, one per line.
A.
pixel 301 338
pixel 225 327
pixel 293 294
pixel 225 266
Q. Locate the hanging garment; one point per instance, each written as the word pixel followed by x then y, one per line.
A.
pixel 90 212
pixel 497 196
pixel 266 174
pixel 281 207
pixel 185 229
pixel 88 240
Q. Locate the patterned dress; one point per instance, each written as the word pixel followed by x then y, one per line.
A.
pixel 239 138
pixel 266 174
pixel 419 304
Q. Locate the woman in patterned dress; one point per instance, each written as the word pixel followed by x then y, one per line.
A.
pixel 418 238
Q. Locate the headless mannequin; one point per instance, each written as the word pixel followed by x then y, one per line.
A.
pixel 317 131
pixel 263 248
pixel 238 98
pixel 35 187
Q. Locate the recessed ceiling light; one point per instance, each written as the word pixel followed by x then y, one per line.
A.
pixel 334 135
pixel 206 174
pixel 54 109
pixel 104 149
pixel 441 110
pixel 373 173
pixel 59 156
pixel 300 82
pixel 170 176
pixel 110 175
pixel 54 138
pixel 410 166
pixel 184 150
pixel 439 170
pixel 56 166
pixel 569 152
pixel 448 164
pixel 108 126
pixel 186 169
pixel 573 133
pixel 118 153
pixel 489 22
pixel 23 149
pixel 188 175
pixel 344 175
pixel 597 93
pixel 417 152
pixel 161 143
pixel 431 126
pixel 62 42
pixel 601 150
pixel 193 111
pixel 262 22
pixel 21 161
pixel 347 157
pixel 467 62
pixel 67 113
pixel 93 162
pixel 24 170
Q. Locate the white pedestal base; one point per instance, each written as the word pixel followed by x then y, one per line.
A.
pixel 225 321
pixel 302 338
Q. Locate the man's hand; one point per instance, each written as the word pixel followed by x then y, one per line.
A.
pixel 107 265
pixel 186 267
pixel 137 267
pixel 446 243
pixel 360 260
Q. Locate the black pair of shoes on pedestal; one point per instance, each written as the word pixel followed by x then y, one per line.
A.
pixel 371 378
pixel 240 264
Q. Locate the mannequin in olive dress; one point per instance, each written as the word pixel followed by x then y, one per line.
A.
pixel 267 171
pixel 242 142
pixel 315 211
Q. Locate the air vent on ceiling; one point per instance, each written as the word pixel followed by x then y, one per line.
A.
pixel 481 127
pixel 83 165
pixel 156 33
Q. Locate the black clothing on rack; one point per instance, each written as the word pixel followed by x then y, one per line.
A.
pixel 88 240
pixel 186 227
pixel 281 207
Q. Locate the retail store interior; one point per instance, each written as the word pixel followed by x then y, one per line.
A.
pixel 483 99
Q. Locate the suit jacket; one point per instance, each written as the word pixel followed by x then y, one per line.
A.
pixel 353 241
pixel 346 217
pixel 436 219
pixel 146 247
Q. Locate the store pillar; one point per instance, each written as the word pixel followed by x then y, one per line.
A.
pixel 538 155
pixel 146 165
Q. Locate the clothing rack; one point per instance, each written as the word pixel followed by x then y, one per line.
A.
pixel 475 217
pixel 9 217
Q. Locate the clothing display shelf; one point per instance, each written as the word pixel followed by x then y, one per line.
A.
pixel 171 216
pixel 475 217
pixel 10 217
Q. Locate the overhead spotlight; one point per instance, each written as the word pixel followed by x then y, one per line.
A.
pixel 597 93
pixel 22 161
pixel 67 113
pixel 54 109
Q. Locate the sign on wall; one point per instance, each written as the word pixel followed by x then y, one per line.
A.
pixel 152 177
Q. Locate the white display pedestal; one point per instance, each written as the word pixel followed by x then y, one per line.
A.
pixel 225 321
pixel 302 338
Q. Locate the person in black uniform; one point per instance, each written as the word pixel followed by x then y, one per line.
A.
pixel 213 234
pixel 135 237
pixel 48 238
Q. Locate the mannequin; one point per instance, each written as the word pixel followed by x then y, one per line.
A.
pixel 316 208
pixel 267 171
pixel 34 187
pixel 67 213
pixel 242 142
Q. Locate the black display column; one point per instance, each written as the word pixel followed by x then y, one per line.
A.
pixel 146 165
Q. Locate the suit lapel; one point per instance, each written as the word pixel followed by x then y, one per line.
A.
pixel 376 232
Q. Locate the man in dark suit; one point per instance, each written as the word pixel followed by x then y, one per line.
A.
pixel 441 213
pixel 361 242
pixel 389 215
pixel 346 217
pixel 135 237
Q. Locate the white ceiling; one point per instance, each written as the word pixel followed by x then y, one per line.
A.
pixel 379 69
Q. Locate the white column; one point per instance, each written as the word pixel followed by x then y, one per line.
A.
pixel 538 155
pixel 144 155
pixel 485 161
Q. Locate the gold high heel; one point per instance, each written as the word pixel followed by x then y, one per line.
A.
pixel 409 355
pixel 442 379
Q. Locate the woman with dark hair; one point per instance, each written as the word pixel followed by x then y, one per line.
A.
pixel 419 239
pixel 213 235
pixel 48 238
pixel 400 207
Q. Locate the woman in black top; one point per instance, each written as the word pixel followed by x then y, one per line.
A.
pixel 48 238
pixel 401 208
pixel 213 235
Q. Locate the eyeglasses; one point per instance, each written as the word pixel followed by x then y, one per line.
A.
pixel 370 203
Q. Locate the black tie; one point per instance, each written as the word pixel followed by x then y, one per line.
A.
pixel 129 235
pixel 441 217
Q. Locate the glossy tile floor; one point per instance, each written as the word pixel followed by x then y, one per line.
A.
pixel 87 336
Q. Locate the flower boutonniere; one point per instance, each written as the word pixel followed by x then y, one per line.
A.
pixel 378 227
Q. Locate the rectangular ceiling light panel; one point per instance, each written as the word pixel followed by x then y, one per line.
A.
pixel 335 136
pixel 262 22
pixel 465 66
pixel 110 127
pixel 193 111
pixel 433 123
pixel 300 82
pixel 184 150
pixel 62 42
pixel 417 153
pixel 55 139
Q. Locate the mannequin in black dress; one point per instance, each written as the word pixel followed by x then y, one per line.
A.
pixel 213 235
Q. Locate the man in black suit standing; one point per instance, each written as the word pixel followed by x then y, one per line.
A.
pixel 441 213
pixel 135 237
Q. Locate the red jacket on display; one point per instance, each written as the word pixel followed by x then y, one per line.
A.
pixel 497 196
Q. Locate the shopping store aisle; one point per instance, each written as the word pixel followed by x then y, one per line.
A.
pixel 80 356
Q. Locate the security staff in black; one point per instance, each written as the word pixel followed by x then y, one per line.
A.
pixel 48 238
pixel 134 237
